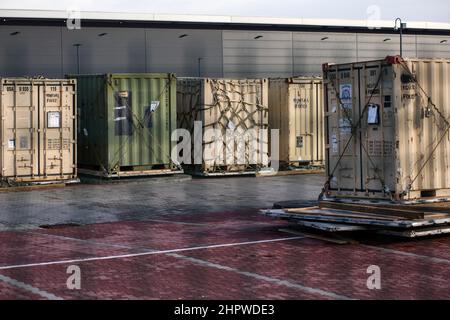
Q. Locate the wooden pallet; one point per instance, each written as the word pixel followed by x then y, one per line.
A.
pixel 32 188
pixel 129 174
pixel 297 172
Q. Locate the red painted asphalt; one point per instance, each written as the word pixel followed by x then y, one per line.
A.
pixel 234 255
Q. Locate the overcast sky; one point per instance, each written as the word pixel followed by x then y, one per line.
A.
pixel 412 10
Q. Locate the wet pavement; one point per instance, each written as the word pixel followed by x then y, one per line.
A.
pixel 199 239
pixel 87 204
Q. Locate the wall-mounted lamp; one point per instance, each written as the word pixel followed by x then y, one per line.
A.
pixel 387 39
pixel 103 34
pixel 400 26
pixel 14 33
pixel 183 36
pixel 444 41
pixel 324 38
pixel 258 37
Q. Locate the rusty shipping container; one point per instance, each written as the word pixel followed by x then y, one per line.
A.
pixel 388 129
pixel 296 109
pixel 238 108
pixel 37 131
pixel 125 124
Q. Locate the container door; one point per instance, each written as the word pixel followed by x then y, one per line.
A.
pixel 20 118
pixel 140 130
pixel 303 122
pixel 56 130
pixel 377 130
pixel 343 110
pixel 361 130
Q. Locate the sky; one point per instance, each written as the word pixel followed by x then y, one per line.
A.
pixel 409 10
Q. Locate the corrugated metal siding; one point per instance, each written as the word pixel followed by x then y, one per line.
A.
pixel 92 120
pixel 419 135
pixel 134 137
pixel 245 56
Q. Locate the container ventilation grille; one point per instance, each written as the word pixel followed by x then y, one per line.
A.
pixel 377 148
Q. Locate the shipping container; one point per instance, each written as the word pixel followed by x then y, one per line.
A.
pixel 296 110
pixel 388 129
pixel 125 124
pixel 238 112
pixel 38 118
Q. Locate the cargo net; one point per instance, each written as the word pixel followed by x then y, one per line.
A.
pixel 234 124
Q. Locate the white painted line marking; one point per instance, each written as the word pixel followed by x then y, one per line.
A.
pixel 149 253
pixel 29 288
pixel 276 281
pixel 409 254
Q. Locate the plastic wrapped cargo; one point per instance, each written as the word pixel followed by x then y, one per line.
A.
pixel 388 129
pixel 37 131
pixel 238 108
pixel 125 124
pixel 296 109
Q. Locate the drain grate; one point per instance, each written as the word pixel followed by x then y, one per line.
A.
pixel 60 226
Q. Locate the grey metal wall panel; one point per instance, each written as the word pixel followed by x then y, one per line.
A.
pixel 377 46
pixel 167 52
pixel 119 51
pixel 431 47
pixel 312 49
pixel 32 52
pixel 257 54
pixel 49 51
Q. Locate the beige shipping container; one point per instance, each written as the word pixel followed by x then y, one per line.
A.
pixel 227 106
pixel 296 109
pixel 37 131
pixel 388 129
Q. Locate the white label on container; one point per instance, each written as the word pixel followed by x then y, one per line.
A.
pixel 154 105
pixel 346 93
pixel 334 144
pixel 373 114
pixel 85 132
pixel 333 109
pixel 345 126
pixel 53 120
pixel 11 144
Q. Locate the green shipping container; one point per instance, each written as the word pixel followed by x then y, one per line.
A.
pixel 125 123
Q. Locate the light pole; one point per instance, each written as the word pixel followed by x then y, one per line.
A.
pixel 400 27
pixel 200 67
pixel 78 45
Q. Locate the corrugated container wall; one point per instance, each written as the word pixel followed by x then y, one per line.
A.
pixel 226 105
pixel 296 109
pixel 388 129
pixel 126 121
pixel 37 130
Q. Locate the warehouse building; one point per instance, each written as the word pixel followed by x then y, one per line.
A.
pixel 40 43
